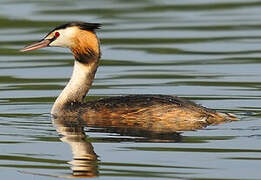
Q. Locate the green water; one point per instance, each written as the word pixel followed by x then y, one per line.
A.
pixel 202 50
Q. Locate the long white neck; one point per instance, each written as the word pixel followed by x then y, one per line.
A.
pixel 78 86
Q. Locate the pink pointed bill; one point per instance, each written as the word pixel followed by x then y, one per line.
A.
pixel 37 45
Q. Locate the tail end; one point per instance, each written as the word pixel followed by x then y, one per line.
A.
pixel 220 117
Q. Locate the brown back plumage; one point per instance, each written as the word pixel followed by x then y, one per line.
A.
pixel 156 113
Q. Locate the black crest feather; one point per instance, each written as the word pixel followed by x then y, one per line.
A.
pixel 81 25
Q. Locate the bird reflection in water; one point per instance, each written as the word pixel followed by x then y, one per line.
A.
pixel 85 160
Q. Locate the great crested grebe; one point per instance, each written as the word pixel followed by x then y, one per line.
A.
pixel 157 113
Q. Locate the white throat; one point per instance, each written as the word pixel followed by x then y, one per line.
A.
pixel 77 87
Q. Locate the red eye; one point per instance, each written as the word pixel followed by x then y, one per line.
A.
pixel 57 34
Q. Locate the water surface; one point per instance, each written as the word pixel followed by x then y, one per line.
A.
pixel 206 51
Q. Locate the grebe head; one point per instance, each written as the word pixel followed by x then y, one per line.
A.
pixel 80 37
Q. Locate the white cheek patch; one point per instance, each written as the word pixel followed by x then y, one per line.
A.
pixel 65 38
